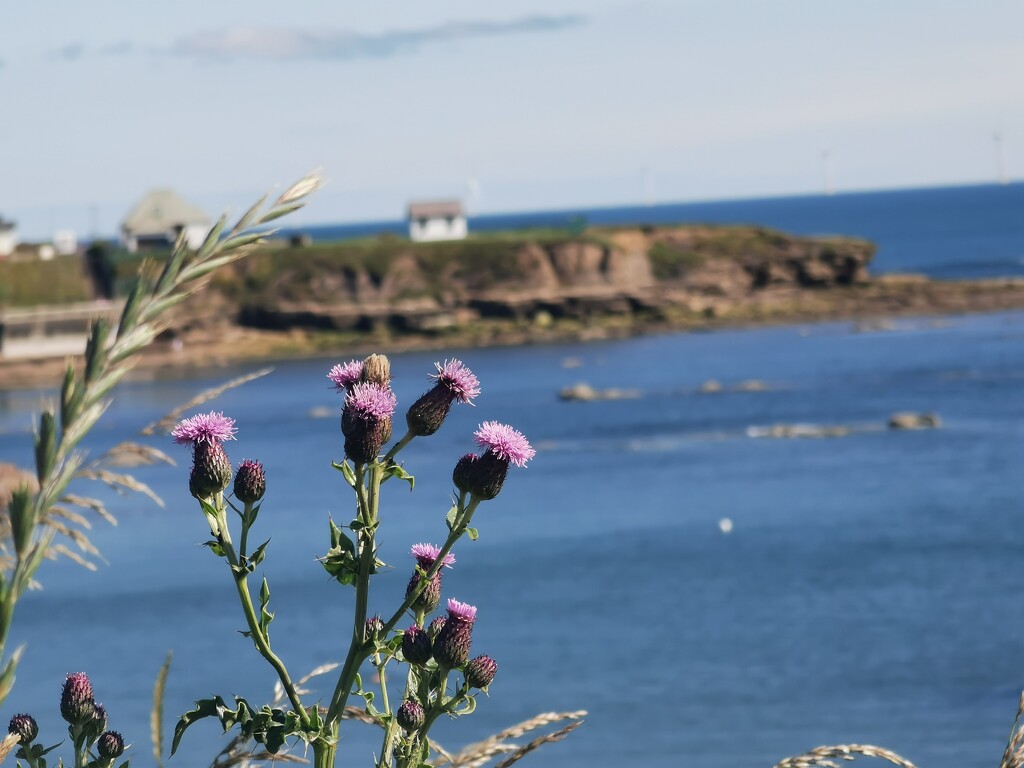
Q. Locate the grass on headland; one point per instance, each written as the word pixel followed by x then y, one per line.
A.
pixel 29 283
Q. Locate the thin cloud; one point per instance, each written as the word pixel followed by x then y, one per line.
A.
pixel 69 52
pixel 344 45
pixel 116 49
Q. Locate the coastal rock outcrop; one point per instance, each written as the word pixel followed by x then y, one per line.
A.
pixel 390 283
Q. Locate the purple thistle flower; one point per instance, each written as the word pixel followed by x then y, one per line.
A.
pixel 426 555
pixel 345 375
pixel 213 427
pixel 110 745
pixel 76 698
pixel 25 726
pixel 454 382
pixel 250 482
pixel 506 443
pixel 451 648
pixel 458 379
pixel 480 672
pixel 463 612
pixel 366 420
pixel 370 401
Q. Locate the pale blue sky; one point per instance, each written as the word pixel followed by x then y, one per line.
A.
pixel 548 103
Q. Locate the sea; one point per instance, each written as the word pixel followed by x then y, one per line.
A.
pixel 708 595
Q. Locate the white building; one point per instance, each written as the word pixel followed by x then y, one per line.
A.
pixel 158 219
pixel 65 242
pixel 8 237
pixel 442 220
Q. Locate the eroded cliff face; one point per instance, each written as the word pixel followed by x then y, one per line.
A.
pixel 428 287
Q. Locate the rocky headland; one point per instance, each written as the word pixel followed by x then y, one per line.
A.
pixel 523 287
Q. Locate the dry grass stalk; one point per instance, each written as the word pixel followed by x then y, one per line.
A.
pixel 526 749
pixel 825 757
pixel 164 425
pixel 8 744
pixel 156 715
pixel 482 752
pixel 131 454
pixel 252 759
pixel 1013 756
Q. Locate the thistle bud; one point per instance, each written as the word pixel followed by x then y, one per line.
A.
pixel 376 370
pixel 430 596
pixel 373 628
pixel 464 472
pixel 416 645
pixel 480 672
pixel 94 722
pixel 451 649
pixel 427 414
pixel 110 745
pixel 211 470
pixel 366 420
pixel 488 476
pixel 454 382
pixel 98 718
pixel 435 627
pixel 76 698
pixel 250 482
pixel 25 727
pixel 411 716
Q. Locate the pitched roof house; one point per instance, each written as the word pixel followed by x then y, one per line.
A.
pixel 439 220
pixel 159 217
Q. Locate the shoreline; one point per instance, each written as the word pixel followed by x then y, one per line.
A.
pixel 883 298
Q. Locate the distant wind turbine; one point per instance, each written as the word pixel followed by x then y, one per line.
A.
pixel 647 185
pixel 474 190
pixel 997 140
pixel 826 171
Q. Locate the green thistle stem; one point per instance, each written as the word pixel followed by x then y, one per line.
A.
pixel 388 747
pixel 246 523
pixel 390 455
pixel 324 752
pixel 367 505
pixel 462 521
pixel 258 638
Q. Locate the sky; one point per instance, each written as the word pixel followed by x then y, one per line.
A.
pixel 510 105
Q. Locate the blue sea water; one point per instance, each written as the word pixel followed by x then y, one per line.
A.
pixel 944 232
pixel 868 591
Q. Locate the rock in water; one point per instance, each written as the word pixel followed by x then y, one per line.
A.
pixel 912 420
pixel 585 393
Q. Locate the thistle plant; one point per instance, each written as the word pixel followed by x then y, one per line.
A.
pixel 43 518
pixel 94 746
pixel 422 662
